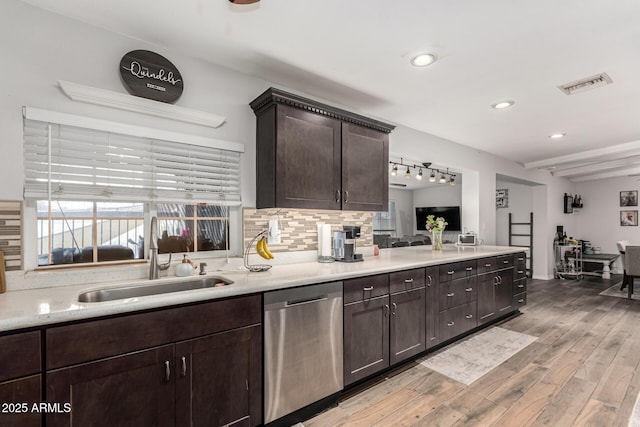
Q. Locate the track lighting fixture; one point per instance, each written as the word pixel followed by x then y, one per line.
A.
pixel 426 165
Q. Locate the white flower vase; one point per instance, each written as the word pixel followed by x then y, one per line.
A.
pixel 437 240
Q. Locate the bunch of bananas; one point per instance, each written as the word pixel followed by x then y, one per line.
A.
pixel 263 249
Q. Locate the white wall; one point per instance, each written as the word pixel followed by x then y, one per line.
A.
pixel 39 48
pixel 520 206
pixel 599 219
pixel 404 210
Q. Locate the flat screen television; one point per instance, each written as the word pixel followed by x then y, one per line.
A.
pixel 451 214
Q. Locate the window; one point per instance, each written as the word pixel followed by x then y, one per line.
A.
pixel 94 183
pixel 385 222
pixel 176 225
pixel 80 232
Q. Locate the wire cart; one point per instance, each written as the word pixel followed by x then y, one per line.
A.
pixel 568 260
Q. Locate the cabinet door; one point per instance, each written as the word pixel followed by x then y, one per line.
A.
pixel 504 291
pixel 135 389
pixel 219 379
pixel 432 314
pixel 20 395
pixel 487 284
pixel 407 327
pixel 308 153
pixel 365 169
pixel 366 338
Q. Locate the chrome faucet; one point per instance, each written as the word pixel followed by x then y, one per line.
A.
pixel 154 267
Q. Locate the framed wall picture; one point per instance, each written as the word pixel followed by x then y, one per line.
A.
pixel 628 218
pixel 629 198
pixel 502 198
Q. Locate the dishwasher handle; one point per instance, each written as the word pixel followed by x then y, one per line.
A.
pixel 303 301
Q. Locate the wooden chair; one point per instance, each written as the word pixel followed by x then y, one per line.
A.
pixel 622 244
pixel 632 266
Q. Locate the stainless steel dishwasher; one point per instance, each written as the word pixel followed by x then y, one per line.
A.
pixel 302 347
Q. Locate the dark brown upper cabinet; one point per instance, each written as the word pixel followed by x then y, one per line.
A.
pixel 313 156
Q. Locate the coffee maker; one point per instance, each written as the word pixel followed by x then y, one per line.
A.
pixel 344 244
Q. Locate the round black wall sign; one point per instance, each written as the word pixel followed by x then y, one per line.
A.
pixel 151 76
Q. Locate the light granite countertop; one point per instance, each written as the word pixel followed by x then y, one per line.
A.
pixel 37 307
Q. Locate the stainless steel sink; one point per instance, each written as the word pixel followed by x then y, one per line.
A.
pixel 123 292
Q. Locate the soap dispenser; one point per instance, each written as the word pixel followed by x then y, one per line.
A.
pixel 185 268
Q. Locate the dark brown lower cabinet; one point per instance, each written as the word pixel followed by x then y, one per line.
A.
pixel 487 284
pixel 504 292
pixel 366 338
pixel 218 379
pixel 132 389
pixel 458 320
pixel 407 327
pixel 432 299
pixel 209 381
pixel 17 398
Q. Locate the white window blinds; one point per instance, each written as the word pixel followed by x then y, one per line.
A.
pixel 67 162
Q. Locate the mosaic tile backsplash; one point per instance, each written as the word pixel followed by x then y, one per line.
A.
pixel 11 234
pixel 298 226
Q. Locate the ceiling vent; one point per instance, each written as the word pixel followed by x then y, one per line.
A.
pixel 585 84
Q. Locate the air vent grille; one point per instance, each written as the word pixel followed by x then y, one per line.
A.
pixel 585 84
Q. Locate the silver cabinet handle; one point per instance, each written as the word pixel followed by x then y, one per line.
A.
pixel 487 265
pixel 521 286
pixel 430 280
pixel 495 281
pixel 386 306
pixel 183 372
pixel 451 294
pixel 469 268
pixel 506 261
pixel 367 288
pixel 167 371
pixel 346 196
pixel 408 280
pixel 469 316
pixel 500 280
pixel 520 300
pixel 469 289
pixel 520 271
pixel 393 312
pixel 450 273
pixel 337 196
pixel 451 323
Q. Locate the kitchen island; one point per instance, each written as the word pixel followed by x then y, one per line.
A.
pixel 38 307
pixel 180 351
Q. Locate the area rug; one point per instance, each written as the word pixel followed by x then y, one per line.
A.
pixel 614 291
pixel 472 358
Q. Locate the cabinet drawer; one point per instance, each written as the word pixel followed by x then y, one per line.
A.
pixel 20 355
pixel 520 260
pixel 457 292
pixel 124 334
pixel 458 270
pixel 505 261
pixel 407 280
pixel 519 286
pixel 485 265
pixel 364 288
pixel 457 320
pixel 519 300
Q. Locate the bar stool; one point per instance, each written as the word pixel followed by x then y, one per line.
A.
pixel 632 266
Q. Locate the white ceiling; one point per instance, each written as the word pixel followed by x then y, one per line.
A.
pixel 356 53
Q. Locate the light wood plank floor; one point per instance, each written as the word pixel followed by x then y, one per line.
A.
pixel 581 371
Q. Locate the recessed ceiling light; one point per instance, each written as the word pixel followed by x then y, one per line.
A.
pixel 557 135
pixel 502 104
pixel 423 59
